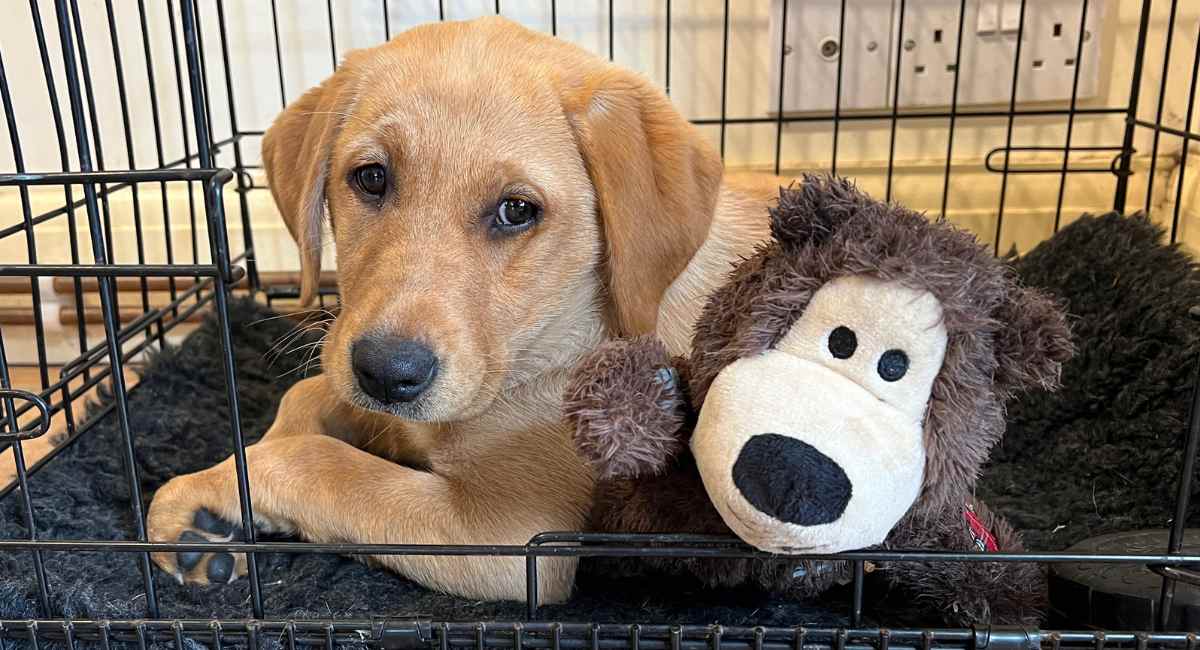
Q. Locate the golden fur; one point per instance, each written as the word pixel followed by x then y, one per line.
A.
pixel 462 115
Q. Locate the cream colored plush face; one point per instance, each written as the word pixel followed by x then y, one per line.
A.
pixel 817 445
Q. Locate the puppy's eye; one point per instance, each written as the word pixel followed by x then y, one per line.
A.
pixel 893 365
pixel 842 342
pixel 514 214
pixel 371 179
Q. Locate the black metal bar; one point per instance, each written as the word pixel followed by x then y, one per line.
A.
pixel 1180 133
pixel 243 202
pixel 441 10
pixel 497 7
pixel 1109 168
pixel 64 157
pixel 857 599
pixel 97 142
pixel 6 400
pixel 915 115
pixel 1183 493
pixel 837 95
pixel 531 588
pixel 724 74
pixel 108 270
pixel 107 300
pixel 205 91
pixel 278 53
pixel 152 87
pixel 783 28
pixel 920 114
pixel 1183 157
pixel 97 177
pixel 962 14
pixel 554 17
pixel 612 52
pixel 1062 180
pixel 215 211
pixel 668 62
pixel 35 400
pixel 635 547
pixel 131 162
pixel 187 150
pixel 1012 106
pixel 1162 100
pixel 35 291
pixel 332 41
pixel 498 633
pixel 895 103
pixel 1135 89
pixel 387 21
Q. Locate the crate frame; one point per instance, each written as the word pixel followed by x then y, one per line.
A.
pixel 215 281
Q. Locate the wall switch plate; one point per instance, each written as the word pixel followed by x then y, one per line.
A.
pixel 927 52
pixel 987 20
pixel 812 44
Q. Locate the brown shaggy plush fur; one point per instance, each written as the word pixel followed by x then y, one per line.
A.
pixel 631 414
pixel 1002 339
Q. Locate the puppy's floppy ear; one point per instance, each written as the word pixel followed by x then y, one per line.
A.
pixel 656 180
pixel 1033 342
pixel 295 151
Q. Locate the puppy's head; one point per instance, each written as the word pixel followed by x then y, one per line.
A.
pixel 493 194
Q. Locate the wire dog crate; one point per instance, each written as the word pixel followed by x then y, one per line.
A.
pixel 197 144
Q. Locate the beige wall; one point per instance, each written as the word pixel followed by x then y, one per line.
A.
pixel 696 30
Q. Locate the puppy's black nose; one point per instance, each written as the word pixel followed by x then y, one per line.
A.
pixel 791 480
pixel 393 369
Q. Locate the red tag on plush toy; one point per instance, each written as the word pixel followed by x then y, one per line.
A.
pixel 983 537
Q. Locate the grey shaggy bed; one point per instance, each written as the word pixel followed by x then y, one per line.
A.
pixel 1099 456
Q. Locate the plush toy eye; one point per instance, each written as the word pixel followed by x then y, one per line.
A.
pixel 842 342
pixel 893 365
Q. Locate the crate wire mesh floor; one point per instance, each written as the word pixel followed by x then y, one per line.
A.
pixel 176 56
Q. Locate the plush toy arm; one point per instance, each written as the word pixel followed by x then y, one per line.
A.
pixel 627 403
pixel 968 593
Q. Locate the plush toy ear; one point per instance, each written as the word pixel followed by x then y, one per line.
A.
pixel 812 212
pixel 1033 342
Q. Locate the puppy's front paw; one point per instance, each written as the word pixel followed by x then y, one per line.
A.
pixel 179 514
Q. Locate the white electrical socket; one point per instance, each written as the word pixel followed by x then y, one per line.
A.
pixel 811 62
pixel 926 53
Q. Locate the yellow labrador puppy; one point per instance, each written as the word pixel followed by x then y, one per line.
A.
pixel 500 201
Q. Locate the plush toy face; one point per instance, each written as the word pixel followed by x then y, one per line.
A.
pixel 817 445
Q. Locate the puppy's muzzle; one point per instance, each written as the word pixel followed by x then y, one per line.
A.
pixel 392 369
pixel 791 480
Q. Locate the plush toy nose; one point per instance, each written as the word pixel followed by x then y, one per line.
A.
pixel 791 480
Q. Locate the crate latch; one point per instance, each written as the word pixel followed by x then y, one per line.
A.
pixel 1003 637
pixel 401 633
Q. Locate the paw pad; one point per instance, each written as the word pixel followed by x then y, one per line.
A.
pixel 201 566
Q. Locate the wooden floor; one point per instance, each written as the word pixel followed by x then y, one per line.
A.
pixel 28 378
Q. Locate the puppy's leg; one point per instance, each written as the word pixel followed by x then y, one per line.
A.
pixel 332 492
pixel 304 411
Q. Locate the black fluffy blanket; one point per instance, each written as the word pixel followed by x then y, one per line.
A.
pixel 1100 456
